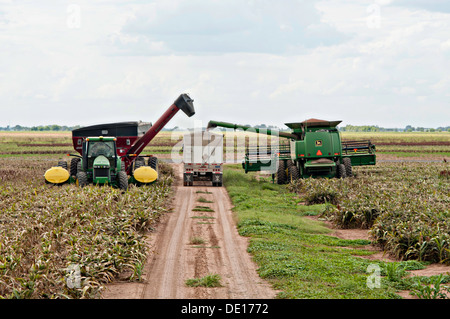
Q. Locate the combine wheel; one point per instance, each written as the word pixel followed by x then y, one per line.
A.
pixel 341 171
pixel 153 162
pixel 348 166
pixel 281 173
pixel 82 179
pixel 123 180
pixel 293 173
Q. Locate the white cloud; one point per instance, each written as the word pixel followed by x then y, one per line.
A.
pixel 249 61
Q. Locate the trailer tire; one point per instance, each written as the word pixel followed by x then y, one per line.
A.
pixel 348 166
pixel 123 180
pixel 341 171
pixel 293 173
pixel 62 164
pixel 281 173
pixel 153 162
pixel 139 162
pixel 82 179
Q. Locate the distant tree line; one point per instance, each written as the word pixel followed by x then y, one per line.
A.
pixel 347 128
pixel 53 127
pixel 375 128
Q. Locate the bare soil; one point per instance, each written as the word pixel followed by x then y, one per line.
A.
pixel 173 257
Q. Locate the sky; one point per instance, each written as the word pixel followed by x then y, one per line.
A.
pixel 79 62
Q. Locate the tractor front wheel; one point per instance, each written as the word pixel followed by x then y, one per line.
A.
pixel 82 179
pixel 123 180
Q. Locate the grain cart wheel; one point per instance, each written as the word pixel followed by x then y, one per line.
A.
pixel 293 173
pixel 82 179
pixel 341 171
pixel 153 162
pixel 63 164
pixel 289 163
pixel 139 162
pixel 281 173
pixel 123 180
pixel 348 166
pixel 74 166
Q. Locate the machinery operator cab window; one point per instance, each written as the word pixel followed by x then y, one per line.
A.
pixel 101 148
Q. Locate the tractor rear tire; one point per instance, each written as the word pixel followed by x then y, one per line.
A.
pixel 82 179
pixel 348 166
pixel 123 180
pixel 281 173
pixel 341 171
pixel 74 166
pixel 293 173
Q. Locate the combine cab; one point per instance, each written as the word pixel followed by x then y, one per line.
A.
pixel 312 149
pixel 110 153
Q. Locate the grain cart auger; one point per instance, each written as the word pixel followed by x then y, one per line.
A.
pixel 313 148
pixel 110 153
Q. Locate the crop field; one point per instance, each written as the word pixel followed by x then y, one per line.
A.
pixel 64 241
pixel 406 206
pixel 67 242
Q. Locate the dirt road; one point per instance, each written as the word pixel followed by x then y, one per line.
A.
pixel 192 244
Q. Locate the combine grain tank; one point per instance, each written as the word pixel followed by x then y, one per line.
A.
pixel 203 157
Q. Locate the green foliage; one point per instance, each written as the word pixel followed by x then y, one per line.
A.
pixel 295 253
pixel 405 205
pixel 209 281
pixel 431 287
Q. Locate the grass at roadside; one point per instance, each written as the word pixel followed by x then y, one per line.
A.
pixel 296 254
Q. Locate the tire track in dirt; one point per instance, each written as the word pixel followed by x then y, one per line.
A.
pixel 223 251
pixel 173 258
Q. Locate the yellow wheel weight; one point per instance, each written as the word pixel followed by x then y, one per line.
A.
pixel 56 175
pixel 145 174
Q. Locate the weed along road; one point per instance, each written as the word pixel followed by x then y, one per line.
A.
pixel 198 240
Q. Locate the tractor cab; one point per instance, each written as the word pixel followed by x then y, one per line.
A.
pixel 100 161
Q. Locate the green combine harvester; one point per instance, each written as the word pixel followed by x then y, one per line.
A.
pixel 312 149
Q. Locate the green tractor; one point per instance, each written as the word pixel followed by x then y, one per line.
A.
pixel 312 149
pixel 100 164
